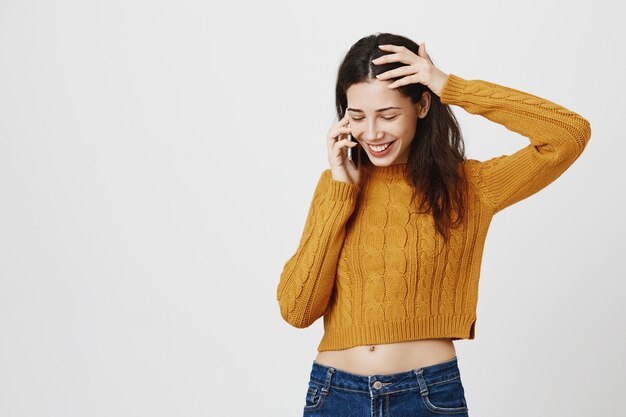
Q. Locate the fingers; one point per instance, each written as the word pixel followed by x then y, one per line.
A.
pixel 340 145
pixel 390 47
pixel 411 79
pixel 336 141
pixel 397 57
pixel 343 121
pixel 402 54
pixel 424 53
pixel 334 136
pixel 397 72
pixel 345 142
pixel 334 129
pixel 418 70
pixel 340 127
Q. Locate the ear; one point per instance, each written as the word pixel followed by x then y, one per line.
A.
pixel 422 106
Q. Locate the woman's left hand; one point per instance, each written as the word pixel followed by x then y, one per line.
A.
pixel 419 68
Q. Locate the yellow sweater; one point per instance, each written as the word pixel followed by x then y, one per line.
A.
pixel 375 268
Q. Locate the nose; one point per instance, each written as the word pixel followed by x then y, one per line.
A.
pixel 372 133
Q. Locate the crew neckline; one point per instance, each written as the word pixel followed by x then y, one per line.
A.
pixel 388 170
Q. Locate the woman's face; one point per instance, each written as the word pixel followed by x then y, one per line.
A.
pixel 380 115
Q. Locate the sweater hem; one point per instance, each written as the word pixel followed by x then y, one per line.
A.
pixel 430 327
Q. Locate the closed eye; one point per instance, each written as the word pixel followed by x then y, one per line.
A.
pixel 386 118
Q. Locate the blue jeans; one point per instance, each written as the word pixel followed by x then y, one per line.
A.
pixel 434 390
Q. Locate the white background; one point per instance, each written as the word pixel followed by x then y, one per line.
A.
pixel 157 161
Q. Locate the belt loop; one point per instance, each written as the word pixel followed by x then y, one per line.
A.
pixel 419 373
pixel 329 375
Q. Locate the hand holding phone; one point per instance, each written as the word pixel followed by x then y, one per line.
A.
pixel 343 152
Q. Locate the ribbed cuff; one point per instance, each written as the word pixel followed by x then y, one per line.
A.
pixel 342 191
pixel 453 89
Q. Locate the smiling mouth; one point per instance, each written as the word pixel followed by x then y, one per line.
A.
pixel 381 147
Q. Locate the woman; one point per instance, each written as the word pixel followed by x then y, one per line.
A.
pixel 391 250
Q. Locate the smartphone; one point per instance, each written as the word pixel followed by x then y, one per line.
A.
pixel 354 153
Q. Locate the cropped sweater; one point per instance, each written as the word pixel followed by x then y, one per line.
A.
pixel 377 270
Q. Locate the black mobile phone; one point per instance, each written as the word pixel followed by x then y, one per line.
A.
pixel 354 153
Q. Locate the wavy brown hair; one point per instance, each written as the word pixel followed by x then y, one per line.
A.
pixel 437 147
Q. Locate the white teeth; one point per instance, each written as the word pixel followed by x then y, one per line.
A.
pixel 380 148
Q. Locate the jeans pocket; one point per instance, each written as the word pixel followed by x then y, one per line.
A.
pixel 315 396
pixel 446 396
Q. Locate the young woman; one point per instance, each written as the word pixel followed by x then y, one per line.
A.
pixel 391 250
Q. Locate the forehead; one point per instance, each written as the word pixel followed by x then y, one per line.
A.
pixel 374 95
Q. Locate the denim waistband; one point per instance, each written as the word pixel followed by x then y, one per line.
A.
pixel 418 378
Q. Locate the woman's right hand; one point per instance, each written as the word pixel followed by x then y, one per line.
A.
pixel 338 141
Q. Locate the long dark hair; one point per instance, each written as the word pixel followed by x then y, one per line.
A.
pixel 437 147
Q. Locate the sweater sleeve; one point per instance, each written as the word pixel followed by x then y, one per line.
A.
pixel 557 138
pixel 308 277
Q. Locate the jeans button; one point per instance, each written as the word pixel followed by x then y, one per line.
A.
pixel 378 384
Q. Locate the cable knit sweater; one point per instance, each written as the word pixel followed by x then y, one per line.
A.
pixel 377 270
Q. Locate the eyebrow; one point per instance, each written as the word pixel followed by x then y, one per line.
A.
pixel 377 111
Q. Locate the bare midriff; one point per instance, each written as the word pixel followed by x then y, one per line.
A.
pixel 388 358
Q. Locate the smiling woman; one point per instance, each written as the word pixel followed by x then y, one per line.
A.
pixel 385 133
pixel 396 279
